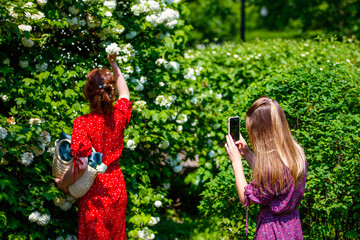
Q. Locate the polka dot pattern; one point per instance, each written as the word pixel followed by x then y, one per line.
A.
pixel 102 209
pixel 279 216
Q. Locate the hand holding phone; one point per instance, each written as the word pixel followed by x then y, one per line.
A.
pixel 234 127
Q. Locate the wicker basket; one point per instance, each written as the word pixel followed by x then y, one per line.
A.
pixel 83 184
pixel 59 166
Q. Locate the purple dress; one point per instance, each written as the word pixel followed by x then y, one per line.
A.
pixel 279 216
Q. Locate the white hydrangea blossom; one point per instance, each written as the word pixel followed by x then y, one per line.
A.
pixel 145 6
pixel 73 10
pixel 24 63
pixel 110 31
pixel 164 101
pixel 41 67
pixel 26 158
pixel 101 168
pixel 41 2
pixel 160 62
pixel 110 4
pixel 128 53
pixel 131 144
pixel 112 49
pixel 161 84
pixel 43 220
pixel 131 35
pixel 27 42
pixel 157 203
pixel 37 16
pixel 154 220
pixel 3 133
pixel 33 121
pixel 190 74
pixel 139 105
pixel 59 201
pixel 51 151
pixel 212 153
pixel 92 21
pixel 144 234
pixel 177 168
pixel 164 144
pixel 182 118
pixel 172 66
pixel 4 98
pixel 174 161
pixel 73 21
pixel 24 27
pixel 44 139
pixel 179 128
pixel 33 217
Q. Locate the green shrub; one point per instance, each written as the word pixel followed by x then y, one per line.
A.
pixel 317 84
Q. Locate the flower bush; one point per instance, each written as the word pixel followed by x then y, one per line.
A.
pixel 47 49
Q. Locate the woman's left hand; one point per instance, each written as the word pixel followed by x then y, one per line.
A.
pixel 60 185
pixel 232 150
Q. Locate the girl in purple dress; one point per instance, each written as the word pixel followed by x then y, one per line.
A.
pixel 278 171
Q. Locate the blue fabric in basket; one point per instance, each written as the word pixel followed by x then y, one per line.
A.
pixel 65 152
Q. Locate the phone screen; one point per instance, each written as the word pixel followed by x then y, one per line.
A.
pixel 234 127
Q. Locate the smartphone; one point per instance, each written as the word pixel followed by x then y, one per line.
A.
pixel 234 127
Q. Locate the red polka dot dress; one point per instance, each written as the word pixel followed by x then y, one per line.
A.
pixel 102 209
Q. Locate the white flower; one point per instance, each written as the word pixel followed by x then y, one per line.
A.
pixel 189 91
pixel 166 186
pixel 33 217
pixel 24 27
pixel 157 204
pixel 51 151
pixel 194 100
pixel 139 87
pixel 139 105
pixel 164 101
pixel 190 74
pixel 41 2
pixel 182 118
pixel 154 221
pixel 172 66
pixel 44 138
pixel 110 4
pixel 152 19
pixel 33 121
pixel 263 11
pixel 131 35
pixel 171 24
pixel 164 144
pixel 3 133
pixel 26 158
pixel 108 14
pixel 66 206
pixel 4 98
pixel 101 168
pixel 6 61
pixel 131 144
pixel 143 79
pixel 112 49
pixel 82 22
pixel 37 16
pixel 73 21
pixel 160 62
pixel 92 21
pixel 73 10
pixel 43 220
pixel 161 84
pixel 212 153
pixel 41 67
pixel 71 237
pixel 218 95
pixel 24 63
pixel 179 128
pixel 177 168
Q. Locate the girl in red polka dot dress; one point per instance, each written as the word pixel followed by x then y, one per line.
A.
pixel 102 209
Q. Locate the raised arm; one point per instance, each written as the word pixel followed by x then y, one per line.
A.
pixel 120 81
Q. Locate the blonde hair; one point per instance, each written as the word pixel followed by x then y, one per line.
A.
pixel 279 158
